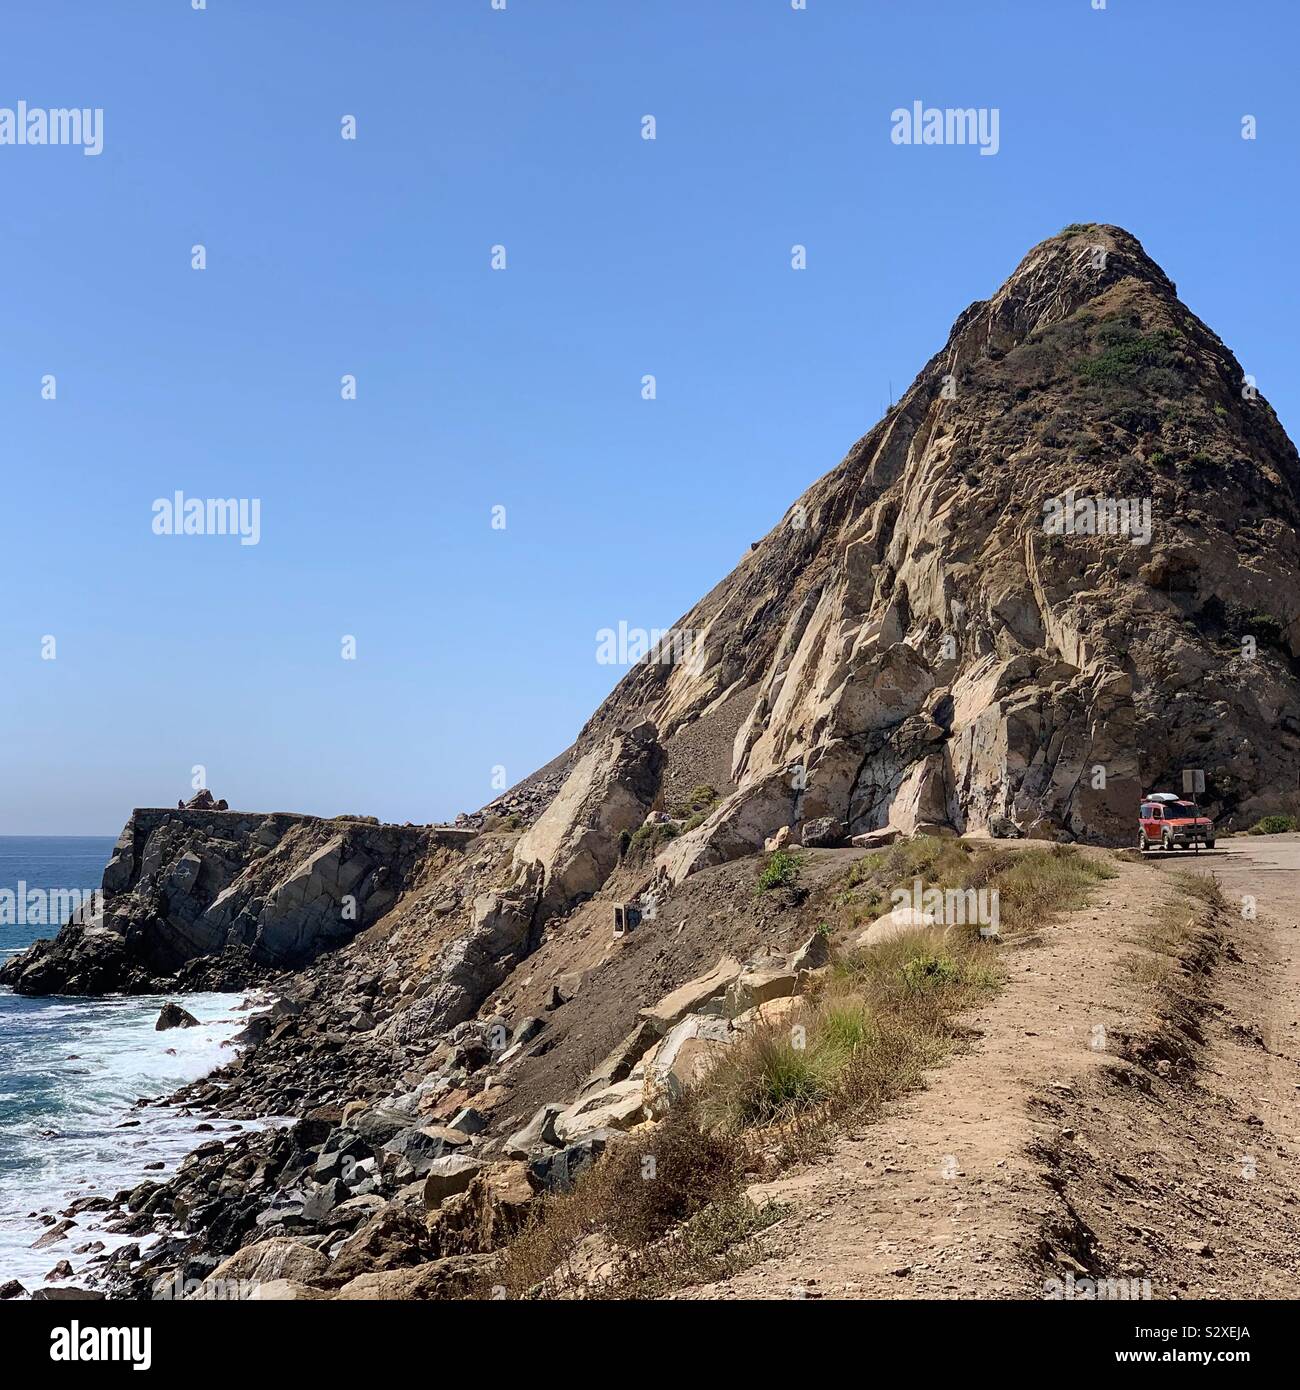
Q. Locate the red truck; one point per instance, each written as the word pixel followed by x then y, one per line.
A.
pixel 1169 822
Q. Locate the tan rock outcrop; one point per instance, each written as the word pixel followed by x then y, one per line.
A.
pixel 575 843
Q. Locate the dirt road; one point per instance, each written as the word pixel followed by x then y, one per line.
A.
pixel 1044 1151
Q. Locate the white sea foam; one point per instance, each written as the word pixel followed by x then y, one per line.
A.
pixel 71 1071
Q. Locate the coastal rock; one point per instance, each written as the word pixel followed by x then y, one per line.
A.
pixel 928 649
pixel 240 894
pixel 453 1277
pixel 173 1016
pixel 447 1176
pixel 617 1107
pixel 279 1258
pixel 54 1235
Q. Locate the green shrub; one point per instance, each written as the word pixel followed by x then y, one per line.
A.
pixel 1273 825
pixel 1126 354
pixel 701 799
pixel 930 971
pixel 780 871
pixel 768 1078
pixel 645 841
pixel 1266 628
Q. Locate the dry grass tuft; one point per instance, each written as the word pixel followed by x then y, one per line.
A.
pixel 1178 953
pixel 666 1208
pixel 645 1186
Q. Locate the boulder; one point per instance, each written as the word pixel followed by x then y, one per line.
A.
pixel 346 1216
pixel 447 1176
pixel 414 1150
pixel 379 1125
pixel 527 1029
pixel 284 1291
pixel 777 841
pixel 455 1277
pixel 814 954
pixel 1004 828
pixel 555 1173
pixel 56 1233
pixel 508 1186
pixel 537 1135
pixel 685 1057
pixel 279 1258
pixel 739 825
pixel 468 1120
pixel 760 981
pixel 173 1016
pixel 619 1064
pixel 775 1013
pixel 617 1107
pixel 900 921
pixel 823 833
pixel 691 997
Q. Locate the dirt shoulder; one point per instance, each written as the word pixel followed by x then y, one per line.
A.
pixel 1043 1152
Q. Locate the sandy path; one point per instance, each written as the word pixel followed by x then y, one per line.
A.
pixel 950 1196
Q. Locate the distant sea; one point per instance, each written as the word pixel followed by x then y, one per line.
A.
pixel 71 1071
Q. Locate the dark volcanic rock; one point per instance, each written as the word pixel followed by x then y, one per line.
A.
pixel 173 1016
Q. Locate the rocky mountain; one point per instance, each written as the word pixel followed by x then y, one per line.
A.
pixel 968 618
pixel 1061 569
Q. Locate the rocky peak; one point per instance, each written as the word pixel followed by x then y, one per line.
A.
pixel 1026 593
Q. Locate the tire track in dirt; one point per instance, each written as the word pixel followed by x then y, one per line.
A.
pixel 1041 1152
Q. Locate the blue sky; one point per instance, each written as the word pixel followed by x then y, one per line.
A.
pixel 519 388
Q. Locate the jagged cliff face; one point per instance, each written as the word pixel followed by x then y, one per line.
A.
pixel 931 642
pixel 255 892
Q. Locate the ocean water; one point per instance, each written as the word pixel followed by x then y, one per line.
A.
pixel 71 1071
